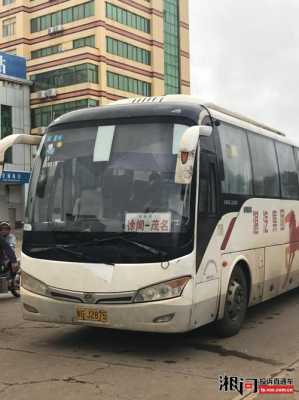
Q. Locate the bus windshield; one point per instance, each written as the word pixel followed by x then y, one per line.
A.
pixel 111 179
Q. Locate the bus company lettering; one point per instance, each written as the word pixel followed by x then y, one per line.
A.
pixel 289 219
pixel 255 222
pixel 282 220
pixel 266 221
pixel 274 220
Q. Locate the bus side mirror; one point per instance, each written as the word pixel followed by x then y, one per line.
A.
pixel 187 153
pixel 13 139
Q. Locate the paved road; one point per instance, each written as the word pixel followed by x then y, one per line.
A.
pixel 48 361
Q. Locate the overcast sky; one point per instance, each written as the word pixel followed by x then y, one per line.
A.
pixel 245 56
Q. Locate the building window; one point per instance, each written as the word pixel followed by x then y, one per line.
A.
pixel 127 18
pixel 171 47
pixel 62 17
pixel 43 116
pixel 128 84
pixel 9 27
pixel 6 128
pixel 6 2
pixel 82 73
pixel 87 41
pixel 46 51
pixel 127 50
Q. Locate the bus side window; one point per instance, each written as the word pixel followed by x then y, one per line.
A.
pixel 236 160
pixel 288 171
pixel 264 165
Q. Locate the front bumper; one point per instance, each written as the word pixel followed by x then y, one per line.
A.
pixel 134 316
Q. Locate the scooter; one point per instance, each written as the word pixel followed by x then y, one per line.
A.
pixel 10 281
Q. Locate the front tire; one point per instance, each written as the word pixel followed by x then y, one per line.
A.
pixel 235 305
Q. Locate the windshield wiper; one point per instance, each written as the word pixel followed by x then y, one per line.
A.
pixel 149 249
pixel 94 242
pixel 65 248
pixel 57 247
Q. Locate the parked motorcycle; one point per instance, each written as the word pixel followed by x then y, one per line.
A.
pixel 10 281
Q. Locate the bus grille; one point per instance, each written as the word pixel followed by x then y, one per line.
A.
pixel 92 298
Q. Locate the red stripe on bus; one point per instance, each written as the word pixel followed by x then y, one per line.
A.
pixel 228 233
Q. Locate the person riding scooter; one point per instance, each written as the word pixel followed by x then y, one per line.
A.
pixel 5 232
pixel 9 269
pixel 7 255
pixel 8 247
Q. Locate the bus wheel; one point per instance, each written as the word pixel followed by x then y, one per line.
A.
pixel 235 305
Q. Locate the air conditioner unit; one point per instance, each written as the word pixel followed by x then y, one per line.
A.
pixel 51 92
pixel 51 30
pixel 41 94
pixel 55 29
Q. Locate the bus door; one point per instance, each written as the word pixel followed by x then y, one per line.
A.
pixel 207 284
pixel 207 203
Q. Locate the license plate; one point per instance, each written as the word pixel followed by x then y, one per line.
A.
pixel 88 314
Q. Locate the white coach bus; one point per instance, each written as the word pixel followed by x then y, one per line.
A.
pixel 159 214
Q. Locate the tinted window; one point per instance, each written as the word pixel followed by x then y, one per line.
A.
pixel 264 163
pixel 212 195
pixel 288 172
pixel 236 160
pixel 207 202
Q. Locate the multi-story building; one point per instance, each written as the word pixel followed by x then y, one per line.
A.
pixel 14 118
pixel 88 52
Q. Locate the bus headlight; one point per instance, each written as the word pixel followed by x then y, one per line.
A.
pixel 163 290
pixel 33 285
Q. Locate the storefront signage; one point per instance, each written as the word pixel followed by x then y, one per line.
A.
pixel 16 177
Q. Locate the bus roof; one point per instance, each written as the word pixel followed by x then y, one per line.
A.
pixel 194 99
pixel 191 106
pixel 217 112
